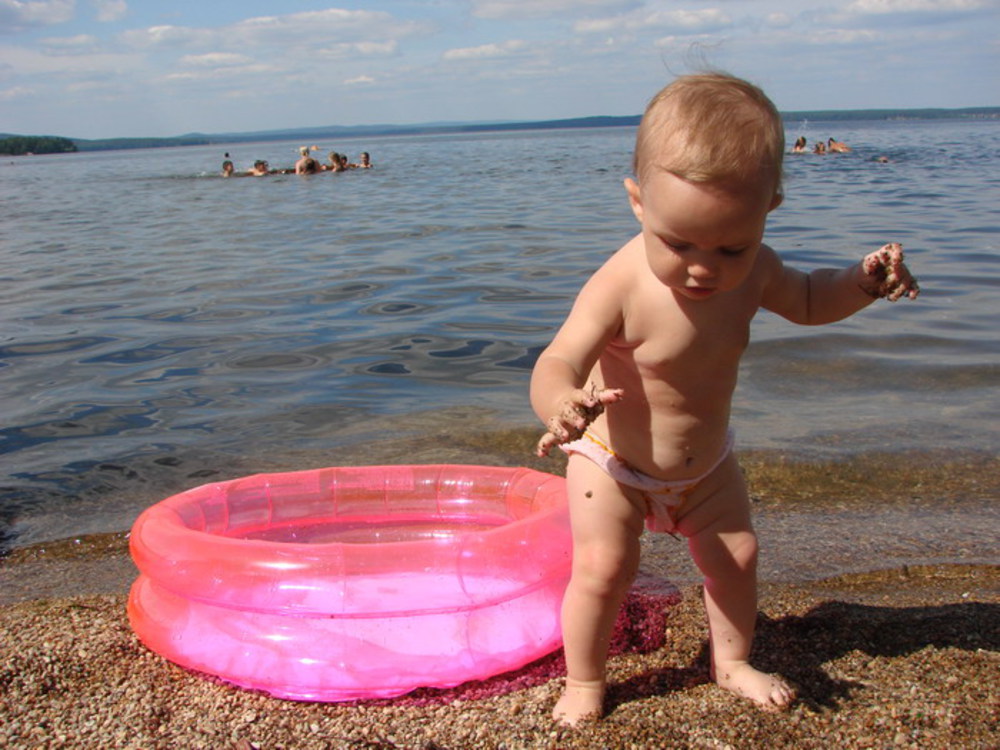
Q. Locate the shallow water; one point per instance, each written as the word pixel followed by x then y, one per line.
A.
pixel 162 326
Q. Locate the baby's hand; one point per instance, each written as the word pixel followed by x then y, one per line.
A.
pixel 886 275
pixel 582 407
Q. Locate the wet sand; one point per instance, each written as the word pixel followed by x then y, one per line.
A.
pixel 880 601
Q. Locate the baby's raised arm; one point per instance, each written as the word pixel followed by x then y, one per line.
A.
pixel 826 295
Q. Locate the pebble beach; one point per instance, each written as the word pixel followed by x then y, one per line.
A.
pixel 900 655
pixel 901 660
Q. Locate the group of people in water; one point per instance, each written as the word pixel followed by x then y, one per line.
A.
pixel 305 165
pixel 338 162
pixel 832 146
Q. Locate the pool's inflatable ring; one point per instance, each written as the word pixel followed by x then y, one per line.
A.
pixel 355 582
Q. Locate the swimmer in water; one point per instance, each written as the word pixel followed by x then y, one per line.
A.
pixel 308 166
pixel 336 162
pixel 303 158
pixel 837 147
pixel 259 169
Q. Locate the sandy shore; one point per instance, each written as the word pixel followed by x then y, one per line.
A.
pixel 904 657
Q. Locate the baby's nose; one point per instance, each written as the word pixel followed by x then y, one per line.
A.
pixel 702 268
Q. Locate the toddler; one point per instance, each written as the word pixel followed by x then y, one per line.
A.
pixel 661 327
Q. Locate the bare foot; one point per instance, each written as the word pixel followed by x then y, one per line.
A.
pixel 580 701
pixel 768 691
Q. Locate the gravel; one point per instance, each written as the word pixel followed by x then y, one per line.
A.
pixel 906 658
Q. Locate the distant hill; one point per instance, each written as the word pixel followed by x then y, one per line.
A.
pixel 111 144
pixel 358 131
pixel 841 115
pixel 20 145
pixel 351 131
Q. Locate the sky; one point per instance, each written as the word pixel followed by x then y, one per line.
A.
pixel 145 68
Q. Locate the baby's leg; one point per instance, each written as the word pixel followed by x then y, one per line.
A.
pixel 724 546
pixel 606 528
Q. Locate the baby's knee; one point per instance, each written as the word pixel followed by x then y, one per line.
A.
pixel 729 558
pixel 744 550
pixel 604 571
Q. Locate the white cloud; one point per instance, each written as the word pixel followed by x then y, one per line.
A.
pixel 376 48
pixel 17 15
pixel 110 10
pixel 104 88
pixel 266 53
pixel 215 60
pixel 314 27
pixel 684 43
pixel 879 7
pixel 486 51
pixel 295 31
pixel 69 62
pixel 81 43
pixel 359 81
pixel 167 36
pixel 684 21
pixel 520 9
pixel 692 19
pixel 228 72
pixel 843 36
pixel 346 51
pixel 15 92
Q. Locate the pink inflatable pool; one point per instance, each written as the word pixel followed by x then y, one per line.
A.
pixel 355 582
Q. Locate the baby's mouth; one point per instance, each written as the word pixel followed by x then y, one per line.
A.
pixel 700 291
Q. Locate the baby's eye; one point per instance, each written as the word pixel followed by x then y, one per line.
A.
pixel 677 247
pixel 733 250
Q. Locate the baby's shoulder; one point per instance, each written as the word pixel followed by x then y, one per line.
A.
pixel 613 283
pixel 628 262
pixel 769 273
pixel 767 263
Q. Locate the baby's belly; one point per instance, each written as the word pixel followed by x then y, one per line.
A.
pixel 673 420
pixel 666 446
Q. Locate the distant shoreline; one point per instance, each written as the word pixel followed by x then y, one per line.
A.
pixel 368 131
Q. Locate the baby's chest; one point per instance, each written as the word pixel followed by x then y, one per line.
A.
pixel 671 339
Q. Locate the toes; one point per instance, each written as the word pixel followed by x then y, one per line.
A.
pixel 770 693
pixel 782 696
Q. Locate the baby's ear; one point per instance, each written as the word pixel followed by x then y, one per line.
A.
pixel 634 197
pixel 777 200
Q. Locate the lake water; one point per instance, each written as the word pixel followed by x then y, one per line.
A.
pixel 162 325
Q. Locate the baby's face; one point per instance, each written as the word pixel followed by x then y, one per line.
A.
pixel 700 238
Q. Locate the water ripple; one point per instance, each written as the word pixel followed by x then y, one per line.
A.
pixel 166 313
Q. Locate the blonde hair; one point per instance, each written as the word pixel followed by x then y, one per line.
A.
pixel 711 127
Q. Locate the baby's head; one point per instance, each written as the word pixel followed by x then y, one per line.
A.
pixel 712 127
